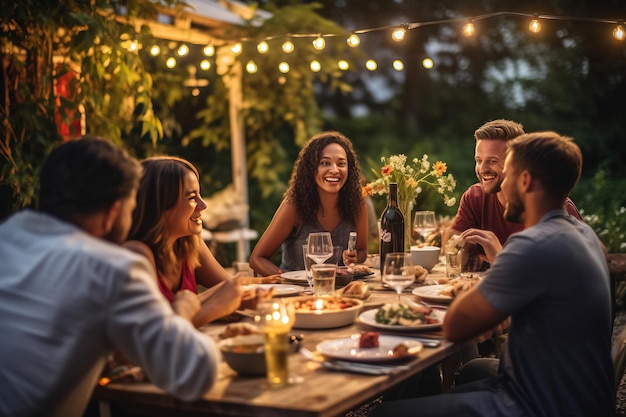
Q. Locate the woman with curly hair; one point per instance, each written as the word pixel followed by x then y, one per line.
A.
pixel 166 229
pixel 324 195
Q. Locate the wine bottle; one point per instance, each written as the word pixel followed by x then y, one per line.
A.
pixel 391 226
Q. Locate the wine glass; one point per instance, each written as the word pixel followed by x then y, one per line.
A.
pixel 398 271
pixel 424 223
pixel 319 247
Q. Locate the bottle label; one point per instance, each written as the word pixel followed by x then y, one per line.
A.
pixel 385 236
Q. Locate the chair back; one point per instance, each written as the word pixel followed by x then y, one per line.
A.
pixel 618 353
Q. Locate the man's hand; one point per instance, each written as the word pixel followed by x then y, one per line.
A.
pixel 486 239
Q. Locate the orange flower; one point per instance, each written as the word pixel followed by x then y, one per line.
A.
pixel 440 168
pixel 386 170
pixel 367 190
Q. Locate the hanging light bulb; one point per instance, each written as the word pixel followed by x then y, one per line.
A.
pixel 183 50
pixel 288 47
pixel 209 50
pixel 428 63
pixel 315 66
pixel 283 67
pixel 469 29
pixel 205 65
pixel 618 33
pixel 262 47
pixel 398 34
pixel 353 40
pixel 251 67
pixel 398 65
pixel 534 26
pixel 171 62
pixel 319 43
pixel 343 65
pixel 155 50
pixel 371 65
pixel 133 46
pixel 236 48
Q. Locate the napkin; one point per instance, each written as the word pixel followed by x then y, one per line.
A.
pixel 362 368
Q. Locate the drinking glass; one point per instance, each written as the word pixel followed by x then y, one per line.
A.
pixel 275 319
pixel 307 267
pixel 324 276
pixel 320 247
pixel 398 271
pixel 424 223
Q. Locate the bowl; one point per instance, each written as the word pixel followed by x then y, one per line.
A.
pixel 246 355
pixel 335 312
pixel 426 256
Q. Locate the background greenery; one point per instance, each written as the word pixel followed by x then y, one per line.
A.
pixel 569 78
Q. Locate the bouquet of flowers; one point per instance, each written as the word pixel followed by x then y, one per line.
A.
pixel 411 178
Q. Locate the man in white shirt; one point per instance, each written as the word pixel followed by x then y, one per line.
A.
pixel 70 295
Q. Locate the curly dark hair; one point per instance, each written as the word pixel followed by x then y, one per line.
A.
pixel 302 180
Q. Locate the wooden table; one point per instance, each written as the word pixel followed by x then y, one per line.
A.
pixel 319 393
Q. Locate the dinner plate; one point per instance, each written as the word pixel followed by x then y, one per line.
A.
pixel 294 275
pixel 433 293
pixel 348 348
pixel 282 289
pixel 369 317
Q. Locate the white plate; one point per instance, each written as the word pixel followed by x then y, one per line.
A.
pixel 294 275
pixel 348 348
pixel 433 293
pixel 282 289
pixel 369 317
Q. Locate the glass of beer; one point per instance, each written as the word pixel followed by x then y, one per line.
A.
pixel 324 279
pixel 275 319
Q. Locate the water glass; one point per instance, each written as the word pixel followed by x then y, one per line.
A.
pixel 324 279
pixel 454 261
pixel 307 266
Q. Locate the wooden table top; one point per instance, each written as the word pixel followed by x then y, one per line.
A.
pixel 317 392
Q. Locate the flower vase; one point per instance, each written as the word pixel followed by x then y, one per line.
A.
pixel 406 206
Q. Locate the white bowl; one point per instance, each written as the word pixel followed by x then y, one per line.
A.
pixel 327 319
pixel 425 256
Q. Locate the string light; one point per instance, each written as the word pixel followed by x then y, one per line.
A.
pixel 319 43
pixel 171 62
pixel 428 63
pixel 315 66
pixel 209 50
pixel 183 50
pixel 288 47
pixel 371 65
pixel 251 67
pixel 155 50
pixel 398 65
pixel 262 47
pixel 236 48
pixel 469 29
pixel 343 65
pixel 534 26
pixel 205 65
pixel 398 34
pixel 618 33
pixel 283 67
pixel 353 40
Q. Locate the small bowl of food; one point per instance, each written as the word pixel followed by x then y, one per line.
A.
pixel 343 277
pixel 326 312
pixel 425 256
pixel 246 354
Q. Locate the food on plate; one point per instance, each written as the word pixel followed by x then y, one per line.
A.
pixel 239 329
pixel 460 285
pixel 355 289
pixel 322 304
pixel 403 349
pixel 354 269
pixel 253 295
pixel 369 340
pixel 405 315
pixel 419 271
pixel 270 279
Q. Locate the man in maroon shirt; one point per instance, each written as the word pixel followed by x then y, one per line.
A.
pixel 479 220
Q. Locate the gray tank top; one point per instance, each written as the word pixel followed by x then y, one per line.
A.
pixel 292 259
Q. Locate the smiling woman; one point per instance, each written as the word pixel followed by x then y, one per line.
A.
pixel 324 195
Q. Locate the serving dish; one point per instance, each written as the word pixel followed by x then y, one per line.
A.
pixel 323 317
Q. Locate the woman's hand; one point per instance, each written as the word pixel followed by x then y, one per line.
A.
pixel 186 304
pixel 349 257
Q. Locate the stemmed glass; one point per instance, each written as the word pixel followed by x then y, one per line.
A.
pixel 398 271
pixel 319 247
pixel 424 223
